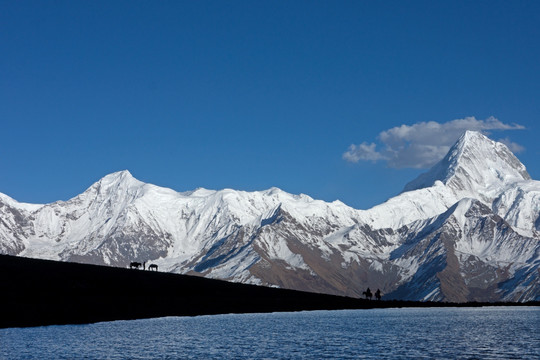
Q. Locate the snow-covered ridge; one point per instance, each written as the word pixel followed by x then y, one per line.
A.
pixel 479 198
pixel 12 202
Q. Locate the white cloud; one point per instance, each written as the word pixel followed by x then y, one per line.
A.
pixel 363 151
pixel 422 144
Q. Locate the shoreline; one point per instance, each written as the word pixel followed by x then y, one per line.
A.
pixel 43 292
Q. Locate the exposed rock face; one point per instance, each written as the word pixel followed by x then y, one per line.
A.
pixel 464 254
pixel 466 230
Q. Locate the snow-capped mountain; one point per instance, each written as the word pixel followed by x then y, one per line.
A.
pixel 468 229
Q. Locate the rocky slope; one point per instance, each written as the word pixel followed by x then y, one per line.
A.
pixel 468 229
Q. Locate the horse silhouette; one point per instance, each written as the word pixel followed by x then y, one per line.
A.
pixel 136 265
pixel 367 294
pixel 378 294
pixel 153 267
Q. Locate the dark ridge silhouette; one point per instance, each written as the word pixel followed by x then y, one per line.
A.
pixel 41 292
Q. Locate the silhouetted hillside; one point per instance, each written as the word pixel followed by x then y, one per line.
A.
pixel 40 292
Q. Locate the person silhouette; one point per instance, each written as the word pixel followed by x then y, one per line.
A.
pixel 367 294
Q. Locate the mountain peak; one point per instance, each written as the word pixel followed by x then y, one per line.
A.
pixel 122 174
pixel 474 141
pixel 472 135
pixel 120 181
pixel 474 165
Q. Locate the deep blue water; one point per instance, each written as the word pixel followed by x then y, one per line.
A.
pixel 446 333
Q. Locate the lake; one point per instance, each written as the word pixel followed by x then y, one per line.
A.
pixel 420 333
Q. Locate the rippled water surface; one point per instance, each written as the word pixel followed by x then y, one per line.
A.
pixel 448 333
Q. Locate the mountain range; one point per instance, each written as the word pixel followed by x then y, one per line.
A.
pixel 466 230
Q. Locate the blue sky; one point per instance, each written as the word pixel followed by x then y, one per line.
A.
pixel 309 96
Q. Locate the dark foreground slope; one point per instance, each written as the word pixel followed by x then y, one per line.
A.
pixel 40 292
